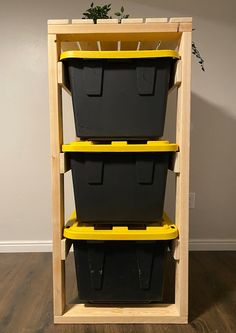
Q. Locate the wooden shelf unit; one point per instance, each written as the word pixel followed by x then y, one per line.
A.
pixel 152 33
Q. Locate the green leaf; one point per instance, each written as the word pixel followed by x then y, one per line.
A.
pixel 118 14
pixel 91 4
pixel 122 9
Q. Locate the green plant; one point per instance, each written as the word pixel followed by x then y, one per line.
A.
pixel 197 54
pixel 97 12
pixel 121 15
pixel 101 12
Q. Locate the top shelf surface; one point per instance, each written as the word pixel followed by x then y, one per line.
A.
pixel 111 26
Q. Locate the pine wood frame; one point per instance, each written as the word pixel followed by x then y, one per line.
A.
pixel 174 30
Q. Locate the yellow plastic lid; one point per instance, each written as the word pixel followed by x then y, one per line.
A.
pixel 119 146
pixel 165 230
pixel 120 54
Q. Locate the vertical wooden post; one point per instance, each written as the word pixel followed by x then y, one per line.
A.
pixel 56 130
pixel 182 179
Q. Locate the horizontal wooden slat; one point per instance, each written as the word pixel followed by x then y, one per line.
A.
pixel 113 28
pixel 155 313
pixel 155 20
pixel 128 20
pixel 181 19
pixel 59 21
pixel 132 20
pixel 141 36
pixel 82 21
pixel 107 21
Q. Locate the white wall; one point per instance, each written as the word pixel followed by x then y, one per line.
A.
pixel 24 126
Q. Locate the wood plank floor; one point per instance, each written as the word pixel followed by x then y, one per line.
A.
pixel 26 296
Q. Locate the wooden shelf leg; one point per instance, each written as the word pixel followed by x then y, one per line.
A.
pixel 56 129
pixel 182 179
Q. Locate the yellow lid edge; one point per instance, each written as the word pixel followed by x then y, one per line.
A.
pixel 167 231
pixel 126 54
pixel 151 146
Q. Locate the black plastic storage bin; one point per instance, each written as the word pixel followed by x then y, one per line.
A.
pixel 120 264
pixel 120 271
pixel 119 94
pixel 118 187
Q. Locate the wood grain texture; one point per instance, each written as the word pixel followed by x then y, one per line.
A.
pixel 57 182
pixel 65 248
pixel 108 45
pixel 86 44
pixel 108 21
pixel 62 78
pixel 128 26
pixel 181 19
pixel 82 21
pixel 155 20
pixel 182 179
pixel 26 296
pixel 64 163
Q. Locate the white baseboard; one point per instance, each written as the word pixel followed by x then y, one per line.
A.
pixel 46 246
pixel 25 246
pixel 212 244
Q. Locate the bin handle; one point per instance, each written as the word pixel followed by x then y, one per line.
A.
pixel 145 76
pixel 94 171
pixel 96 262
pixel 144 171
pixel 144 254
pixel 93 79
